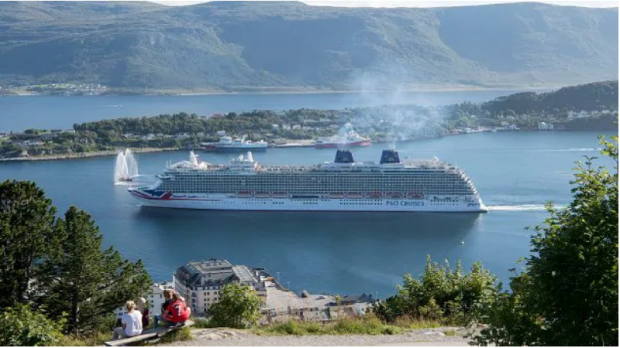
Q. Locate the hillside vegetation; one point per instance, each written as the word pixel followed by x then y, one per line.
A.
pixel 248 46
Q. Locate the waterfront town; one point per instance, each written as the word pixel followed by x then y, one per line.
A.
pixel 200 282
pixel 67 89
pixel 294 128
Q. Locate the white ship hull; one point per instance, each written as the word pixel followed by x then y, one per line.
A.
pixel 223 202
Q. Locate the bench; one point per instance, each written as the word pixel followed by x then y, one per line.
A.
pixel 146 335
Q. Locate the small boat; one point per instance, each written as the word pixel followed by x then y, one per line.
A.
pixel 374 195
pixel 395 195
pixel 354 195
pixel 262 195
pixel 244 194
pixel 336 195
pixel 280 194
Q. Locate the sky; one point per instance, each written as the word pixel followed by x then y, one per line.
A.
pixel 417 3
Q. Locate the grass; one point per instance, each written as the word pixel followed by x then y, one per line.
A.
pixel 95 339
pixel 367 325
pixel 450 333
pixel 201 323
pixel 184 334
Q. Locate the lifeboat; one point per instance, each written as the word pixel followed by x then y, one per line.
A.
pixel 262 195
pixel 280 194
pixel 415 195
pixel 336 195
pixel 374 195
pixel 244 194
pixel 354 195
pixel 394 195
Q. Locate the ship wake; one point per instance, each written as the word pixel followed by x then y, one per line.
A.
pixel 522 207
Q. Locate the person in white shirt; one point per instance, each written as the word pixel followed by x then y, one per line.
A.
pixel 132 323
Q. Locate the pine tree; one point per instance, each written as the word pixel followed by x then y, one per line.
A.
pixel 89 283
pixel 26 237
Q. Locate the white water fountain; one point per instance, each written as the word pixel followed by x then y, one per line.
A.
pixel 126 167
pixel 132 164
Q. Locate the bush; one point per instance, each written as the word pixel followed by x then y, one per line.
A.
pixel 22 326
pixel 238 307
pixel 441 294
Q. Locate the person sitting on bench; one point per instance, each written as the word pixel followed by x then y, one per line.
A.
pixel 178 312
pixel 131 321
pixel 160 318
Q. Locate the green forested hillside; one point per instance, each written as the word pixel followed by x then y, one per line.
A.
pixel 253 45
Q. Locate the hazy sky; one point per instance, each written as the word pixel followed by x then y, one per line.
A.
pixel 417 3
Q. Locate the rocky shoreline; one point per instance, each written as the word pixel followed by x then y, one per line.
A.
pixel 83 155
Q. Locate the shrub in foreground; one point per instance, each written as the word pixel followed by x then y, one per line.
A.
pixel 22 326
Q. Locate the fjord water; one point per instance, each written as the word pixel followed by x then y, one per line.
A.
pixel 50 112
pixel 345 253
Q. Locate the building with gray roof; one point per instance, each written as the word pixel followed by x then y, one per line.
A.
pixel 200 282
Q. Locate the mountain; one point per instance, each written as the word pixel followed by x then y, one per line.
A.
pixel 236 46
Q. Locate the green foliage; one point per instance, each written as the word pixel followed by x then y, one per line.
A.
pixel 202 323
pixel 365 325
pixel 90 283
pixel 238 307
pixel 23 326
pixel 568 293
pixel 441 294
pixel 26 239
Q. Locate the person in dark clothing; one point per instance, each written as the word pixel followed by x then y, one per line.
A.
pixel 159 318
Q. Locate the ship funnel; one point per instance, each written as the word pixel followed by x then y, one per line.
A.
pixel 389 156
pixel 249 156
pixel 343 156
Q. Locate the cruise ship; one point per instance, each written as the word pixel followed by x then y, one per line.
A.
pixel 346 138
pixel 392 184
pixel 227 143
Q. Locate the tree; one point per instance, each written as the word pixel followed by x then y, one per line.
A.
pixel 22 326
pixel 89 283
pixel 568 293
pixel 238 307
pixel 26 237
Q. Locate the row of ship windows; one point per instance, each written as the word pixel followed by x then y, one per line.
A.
pixel 321 174
pixel 357 185
pixel 297 191
pixel 308 181
pixel 318 177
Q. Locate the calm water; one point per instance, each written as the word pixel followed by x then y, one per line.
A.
pixel 515 173
pixel 20 113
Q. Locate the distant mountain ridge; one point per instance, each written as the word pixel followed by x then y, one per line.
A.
pixel 236 46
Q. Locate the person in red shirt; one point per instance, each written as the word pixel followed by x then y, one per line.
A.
pixel 177 312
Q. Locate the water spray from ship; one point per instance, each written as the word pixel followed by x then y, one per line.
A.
pixel 126 168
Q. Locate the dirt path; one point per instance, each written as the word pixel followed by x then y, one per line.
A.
pixel 421 337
